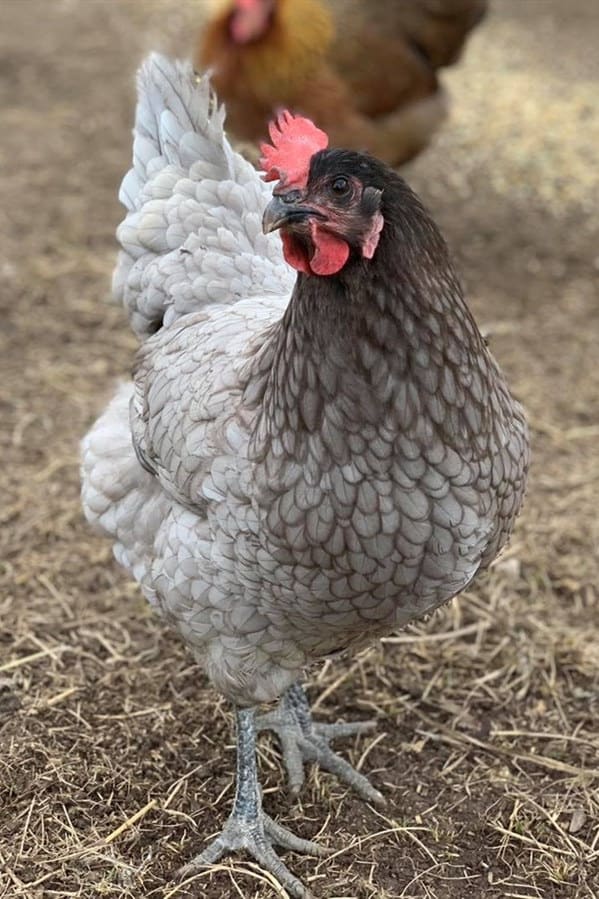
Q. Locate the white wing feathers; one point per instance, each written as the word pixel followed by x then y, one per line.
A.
pixel 187 411
pixel 192 235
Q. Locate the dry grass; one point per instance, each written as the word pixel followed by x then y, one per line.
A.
pixel 116 756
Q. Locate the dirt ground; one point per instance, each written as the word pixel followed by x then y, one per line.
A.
pixel 116 757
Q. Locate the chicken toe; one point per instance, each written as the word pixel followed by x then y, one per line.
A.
pixel 248 827
pixel 303 740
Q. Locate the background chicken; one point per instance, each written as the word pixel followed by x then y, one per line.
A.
pixel 368 75
pixel 295 469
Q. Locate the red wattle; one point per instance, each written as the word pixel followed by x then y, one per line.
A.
pixel 330 253
pixel 294 253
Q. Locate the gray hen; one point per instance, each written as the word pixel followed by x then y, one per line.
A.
pixel 294 470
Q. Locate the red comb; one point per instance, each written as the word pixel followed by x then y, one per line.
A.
pixel 295 140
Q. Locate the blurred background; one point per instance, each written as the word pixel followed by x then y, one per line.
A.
pixel 490 710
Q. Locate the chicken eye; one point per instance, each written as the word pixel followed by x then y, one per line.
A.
pixel 340 185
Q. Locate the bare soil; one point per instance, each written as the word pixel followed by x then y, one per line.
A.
pixel 116 756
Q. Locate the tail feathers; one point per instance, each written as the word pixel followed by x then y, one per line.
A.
pixel 194 206
pixel 177 123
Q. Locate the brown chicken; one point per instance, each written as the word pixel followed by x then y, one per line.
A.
pixel 370 79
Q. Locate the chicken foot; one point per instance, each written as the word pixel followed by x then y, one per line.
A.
pixel 303 740
pixel 248 827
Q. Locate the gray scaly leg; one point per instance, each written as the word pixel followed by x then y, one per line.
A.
pixel 303 740
pixel 248 827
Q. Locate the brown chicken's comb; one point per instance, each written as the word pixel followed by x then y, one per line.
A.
pixel 295 140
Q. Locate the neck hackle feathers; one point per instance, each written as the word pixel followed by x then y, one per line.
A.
pixel 295 140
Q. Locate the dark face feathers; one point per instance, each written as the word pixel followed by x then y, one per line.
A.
pixel 398 202
pixel 352 209
pixel 370 171
pixel 335 214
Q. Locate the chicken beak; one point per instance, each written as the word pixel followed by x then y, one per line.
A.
pixel 284 209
